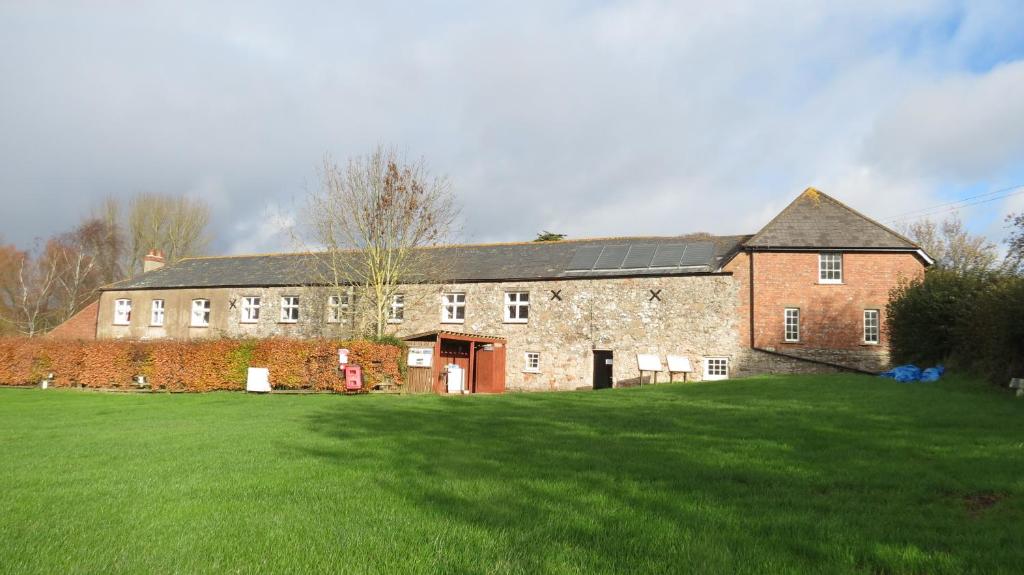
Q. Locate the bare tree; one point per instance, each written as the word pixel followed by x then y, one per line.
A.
pixel 177 225
pixel 27 286
pixel 371 220
pixel 10 260
pixel 952 246
pixel 110 245
pixel 85 259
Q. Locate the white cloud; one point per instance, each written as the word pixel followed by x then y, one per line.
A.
pixel 961 128
pixel 601 118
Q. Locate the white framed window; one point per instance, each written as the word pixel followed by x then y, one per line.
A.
pixel 532 362
pixel 871 323
pixel 289 309
pixel 453 308
pixel 122 311
pixel 396 311
pixel 156 314
pixel 251 309
pixel 200 313
pixel 337 308
pixel 716 368
pixel 792 323
pixel 517 306
pixel 830 268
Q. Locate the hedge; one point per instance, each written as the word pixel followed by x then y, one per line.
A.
pixel 195 366
pixel 973 323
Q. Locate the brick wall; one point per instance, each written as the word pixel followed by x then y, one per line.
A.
pixel 82 325
pixel 831 315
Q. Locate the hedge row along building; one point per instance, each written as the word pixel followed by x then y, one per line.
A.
pixel 806 293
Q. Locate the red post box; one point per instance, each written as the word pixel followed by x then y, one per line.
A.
pixel 353 378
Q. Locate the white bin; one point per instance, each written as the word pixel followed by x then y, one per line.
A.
pixel 456 378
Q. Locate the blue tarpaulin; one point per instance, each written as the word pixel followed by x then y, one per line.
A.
pixel 911 373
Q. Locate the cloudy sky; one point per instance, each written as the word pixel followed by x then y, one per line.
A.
pixel 587 118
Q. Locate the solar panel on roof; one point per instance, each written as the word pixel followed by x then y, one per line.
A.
pixel 585 257
pixel 639 256
pixel 668 255
pixel 611 258
pixel 698 254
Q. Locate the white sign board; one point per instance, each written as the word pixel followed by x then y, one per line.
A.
pixel 342 356
pixel 648 362
pixel 679 364
pixel 421 357
pixel 258 380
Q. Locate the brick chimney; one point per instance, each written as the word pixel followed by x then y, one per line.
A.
pixel 154 260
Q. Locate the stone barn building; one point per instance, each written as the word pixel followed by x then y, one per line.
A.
pixel 805 293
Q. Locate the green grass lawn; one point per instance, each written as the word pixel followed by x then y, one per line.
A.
pixel 825 474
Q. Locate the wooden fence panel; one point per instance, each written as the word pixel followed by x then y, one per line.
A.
pixel 421 380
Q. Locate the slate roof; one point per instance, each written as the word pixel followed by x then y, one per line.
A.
pixel 461 263
pixel 816 220
pixel 813 220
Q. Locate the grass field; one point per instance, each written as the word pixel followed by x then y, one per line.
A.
pixel 825 474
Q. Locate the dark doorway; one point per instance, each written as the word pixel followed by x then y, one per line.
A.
pixel 603 369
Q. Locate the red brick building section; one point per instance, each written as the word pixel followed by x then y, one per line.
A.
pixel 82 325
pixel 827 315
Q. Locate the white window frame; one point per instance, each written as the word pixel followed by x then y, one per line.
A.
pixel 877 326
pixel 200 316
pixel 711 371
pixel 122 311
pixel 250 312
pixel 396 309
pixel 531 362
pixel 791 335
pixel 830 268
pixel 337 307
pixel 289 304
pixel 453 305
pixel 517 309
pixel 156 313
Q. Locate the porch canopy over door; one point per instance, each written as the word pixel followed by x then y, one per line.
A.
pixel 482 358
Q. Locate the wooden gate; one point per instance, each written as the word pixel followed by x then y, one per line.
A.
pixel 421 380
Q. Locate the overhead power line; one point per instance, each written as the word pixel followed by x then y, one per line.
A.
pixel 948 207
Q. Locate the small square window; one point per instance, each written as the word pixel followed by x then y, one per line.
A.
pixel 337 308
pixel 532 362
pixel 517 307
pixel 251 309
pixel 792 331
pixel 871 326
pixel 200 313
pixel 396 311
pixel 122 312
pixel 830 268
pixel 716 368
pixel 453 308
pixel 156 316
pixel 290 309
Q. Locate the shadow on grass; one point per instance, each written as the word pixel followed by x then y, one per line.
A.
pixel 757 476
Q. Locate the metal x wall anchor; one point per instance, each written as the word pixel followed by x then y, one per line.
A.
pixel 556 294
pixel 231 304
pixel 655 295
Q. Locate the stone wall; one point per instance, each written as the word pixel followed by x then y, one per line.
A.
pixel 225 314
pixel 695 316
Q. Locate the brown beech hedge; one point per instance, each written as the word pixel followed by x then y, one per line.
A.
pixel 195 366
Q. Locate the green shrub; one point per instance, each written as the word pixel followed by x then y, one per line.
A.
pixel 972 322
